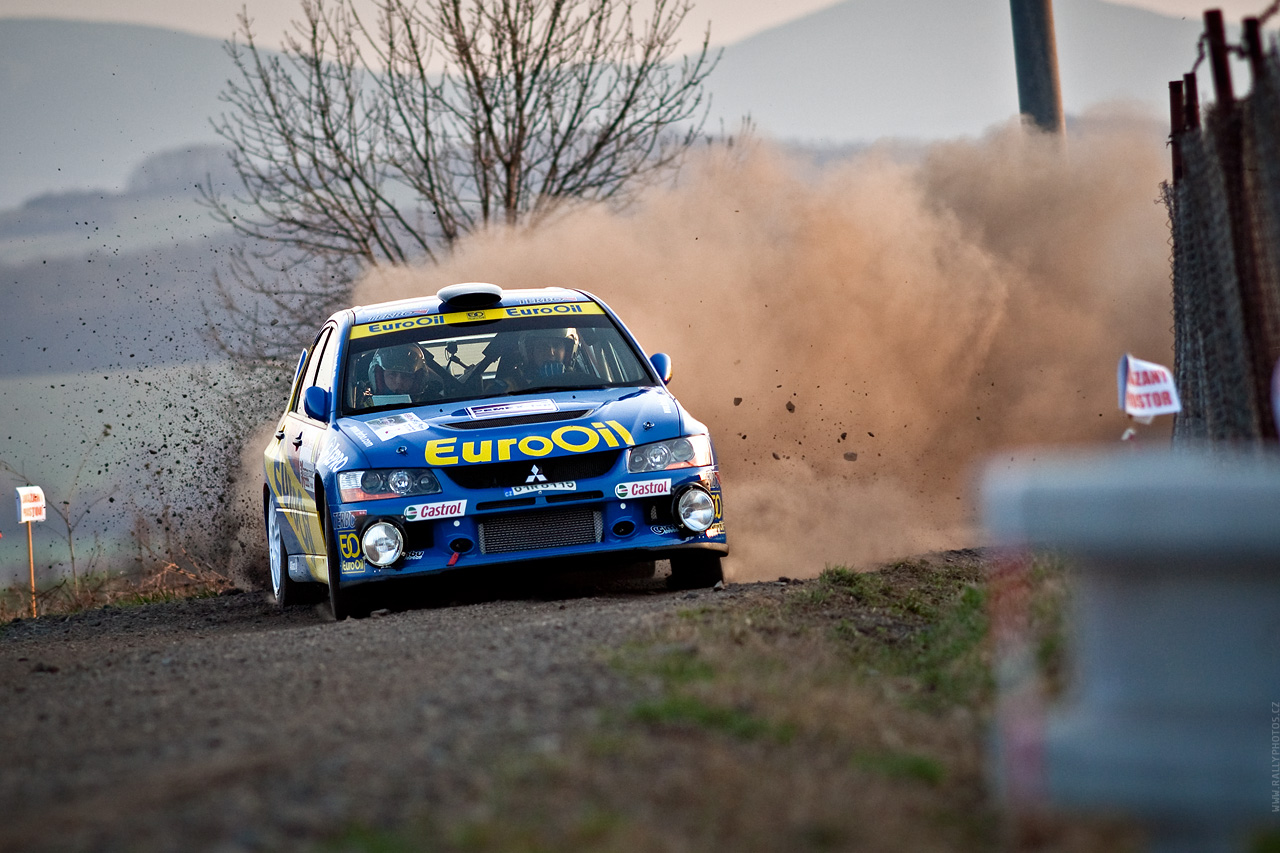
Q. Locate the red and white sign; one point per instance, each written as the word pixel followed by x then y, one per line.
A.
pixel 642 489
pixel 427 512
pixel 30 504
pixel 1146 389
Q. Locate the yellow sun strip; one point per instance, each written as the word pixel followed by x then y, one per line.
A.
pixel 424 321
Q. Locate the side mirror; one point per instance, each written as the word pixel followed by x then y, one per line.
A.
pixel 662 363
pixel 315 402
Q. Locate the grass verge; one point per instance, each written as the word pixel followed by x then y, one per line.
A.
pixel 840 713
pixel 168 581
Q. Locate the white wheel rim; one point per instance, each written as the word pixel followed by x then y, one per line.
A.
pixel 275 547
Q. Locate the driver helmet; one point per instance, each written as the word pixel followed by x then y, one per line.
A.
pixel 406 358
pixel 549 352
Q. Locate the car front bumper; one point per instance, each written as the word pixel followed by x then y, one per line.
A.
pixel 597 519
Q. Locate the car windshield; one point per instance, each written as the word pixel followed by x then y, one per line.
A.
pixel 435 361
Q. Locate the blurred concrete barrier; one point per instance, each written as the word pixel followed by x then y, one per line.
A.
pixel 1173 713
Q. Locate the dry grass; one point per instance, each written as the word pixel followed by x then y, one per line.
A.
pixel 165 580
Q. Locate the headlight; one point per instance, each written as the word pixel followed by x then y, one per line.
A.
pixel 695 510
pixel 382 543
pixel 392 483
pixel 692 451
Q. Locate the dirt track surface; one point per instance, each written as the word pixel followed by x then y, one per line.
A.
pixel 222 724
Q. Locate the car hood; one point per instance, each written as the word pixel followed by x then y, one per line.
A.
pixel 527 427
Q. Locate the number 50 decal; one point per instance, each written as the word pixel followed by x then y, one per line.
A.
pixel 349 545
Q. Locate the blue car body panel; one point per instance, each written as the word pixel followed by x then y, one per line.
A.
pixel 538 476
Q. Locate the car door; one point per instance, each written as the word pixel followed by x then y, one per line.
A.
pixel 302 437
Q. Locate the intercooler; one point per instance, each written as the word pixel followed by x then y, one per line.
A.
pixel 532 531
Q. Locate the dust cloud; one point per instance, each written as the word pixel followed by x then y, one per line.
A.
pixel 858 334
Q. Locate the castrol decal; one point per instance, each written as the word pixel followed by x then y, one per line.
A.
pixel 426 512
pixel 642 489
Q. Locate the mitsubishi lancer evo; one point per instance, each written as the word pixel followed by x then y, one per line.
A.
pixel 477 428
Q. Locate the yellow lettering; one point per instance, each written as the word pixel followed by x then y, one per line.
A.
pixel 526 445
pixel 592 439
pixel 436 450
pixel 622 431
pixel 470 454
pixel 608 436
pixel 504 448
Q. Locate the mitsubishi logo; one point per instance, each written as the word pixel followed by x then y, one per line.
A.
pixel 536 476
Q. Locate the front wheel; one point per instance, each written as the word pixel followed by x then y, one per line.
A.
pixel 285 589
pixel 695 570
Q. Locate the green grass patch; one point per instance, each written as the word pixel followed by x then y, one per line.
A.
pixel 901 765
pixel 590 828
pixel 682 709
pixel 1048 619
pixel 534 825
pixel 922 622
pixel 362 839
pixel 677 665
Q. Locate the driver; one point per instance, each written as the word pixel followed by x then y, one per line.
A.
pixel 547 353
pixel 399 370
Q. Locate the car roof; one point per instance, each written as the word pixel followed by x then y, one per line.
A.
pixel 420 305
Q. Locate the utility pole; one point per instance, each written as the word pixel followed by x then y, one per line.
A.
pixel 1035 53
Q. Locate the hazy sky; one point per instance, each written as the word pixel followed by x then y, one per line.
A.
pixel 731 19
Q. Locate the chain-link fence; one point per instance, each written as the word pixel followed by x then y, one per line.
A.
pixel 1224 206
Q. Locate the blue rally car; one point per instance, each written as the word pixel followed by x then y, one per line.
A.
pixel 482 427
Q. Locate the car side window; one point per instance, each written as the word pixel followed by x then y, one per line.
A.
pixel 320 354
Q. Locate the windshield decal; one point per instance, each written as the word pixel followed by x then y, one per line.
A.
pixel 389 427
pixel 504 410
pixel 383 327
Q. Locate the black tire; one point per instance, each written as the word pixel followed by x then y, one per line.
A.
pixel 638 571
pixel 695 570
pixel 285 590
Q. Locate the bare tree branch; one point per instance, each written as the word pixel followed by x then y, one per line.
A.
pixel 366 143
pixel 387 142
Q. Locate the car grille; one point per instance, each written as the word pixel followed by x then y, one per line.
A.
pixel 532 531
pixel 556 469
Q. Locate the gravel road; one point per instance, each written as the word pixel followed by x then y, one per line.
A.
pixel 223 724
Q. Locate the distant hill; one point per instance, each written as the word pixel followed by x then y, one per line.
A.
pixel 929 69
pixel 94 281
pixel 107 132
pixel 84 103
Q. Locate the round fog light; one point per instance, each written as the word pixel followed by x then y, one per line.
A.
pixel 383 543
pixel 695 510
